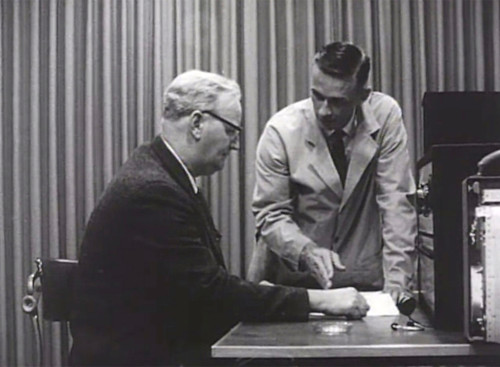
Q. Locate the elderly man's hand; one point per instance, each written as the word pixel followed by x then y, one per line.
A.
pixel 321 263
pixel 338 302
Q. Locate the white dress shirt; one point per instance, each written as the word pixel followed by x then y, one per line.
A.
pixel 190 176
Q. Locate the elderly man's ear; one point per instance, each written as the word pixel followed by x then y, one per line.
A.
pixel 196 125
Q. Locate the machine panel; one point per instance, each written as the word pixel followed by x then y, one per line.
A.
pixel 481 216
pixel 440 237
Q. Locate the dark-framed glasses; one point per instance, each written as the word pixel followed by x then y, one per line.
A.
pixel 223 120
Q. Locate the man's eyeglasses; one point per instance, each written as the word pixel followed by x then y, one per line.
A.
pixel 223 120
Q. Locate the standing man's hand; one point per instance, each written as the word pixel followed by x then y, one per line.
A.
pixel 338 302
pixel 321 263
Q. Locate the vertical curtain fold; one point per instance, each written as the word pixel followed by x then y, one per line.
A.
pixel 88 100
pixel 250 84
pixel 495 40
pixel 4 347
pixel 107 91
pixel 81 83
pixel 20 169
pixel 479 35
pixel 69 155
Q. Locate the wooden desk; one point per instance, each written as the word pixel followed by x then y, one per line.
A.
pixel 371 340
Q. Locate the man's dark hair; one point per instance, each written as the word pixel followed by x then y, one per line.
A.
pixel 343 59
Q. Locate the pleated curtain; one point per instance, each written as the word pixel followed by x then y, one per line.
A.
pixel 81 84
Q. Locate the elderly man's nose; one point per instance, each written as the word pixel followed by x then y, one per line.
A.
pixel 235 143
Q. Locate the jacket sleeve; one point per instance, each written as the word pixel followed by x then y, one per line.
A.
pixel 170 229
pixel 273 200
pixel 395 196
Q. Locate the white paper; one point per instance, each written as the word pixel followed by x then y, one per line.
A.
pixel 381 304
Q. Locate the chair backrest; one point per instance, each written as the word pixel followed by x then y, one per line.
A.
pixel 53 279
pixel 57 277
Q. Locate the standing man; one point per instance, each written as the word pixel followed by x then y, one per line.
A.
pixel 151 286
pixel 333 188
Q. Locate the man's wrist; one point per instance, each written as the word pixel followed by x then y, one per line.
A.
pixel 316 300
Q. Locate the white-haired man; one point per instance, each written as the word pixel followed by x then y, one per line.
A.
pixel 151 287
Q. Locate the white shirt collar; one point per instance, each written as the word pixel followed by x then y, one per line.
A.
pixel 351 125
pixel 348 129
pixel 190 176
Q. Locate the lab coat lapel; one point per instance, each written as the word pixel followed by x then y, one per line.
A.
pixel 364 148
pixel 320 161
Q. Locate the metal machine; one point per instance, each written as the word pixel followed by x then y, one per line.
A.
pixel 459 129
pixel 439 201
pixel 481 251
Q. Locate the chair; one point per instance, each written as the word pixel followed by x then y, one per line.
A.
pixel 53 281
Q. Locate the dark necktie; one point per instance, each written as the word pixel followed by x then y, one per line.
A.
pixel 337 151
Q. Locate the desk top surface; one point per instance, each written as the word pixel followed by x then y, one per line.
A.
pixel 369 337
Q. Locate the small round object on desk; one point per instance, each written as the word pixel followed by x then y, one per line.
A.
pixel 333 327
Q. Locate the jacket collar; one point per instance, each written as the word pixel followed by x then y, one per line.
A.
pixel 172 164
pixel 364 147
pixel 192 180
pixel 174 167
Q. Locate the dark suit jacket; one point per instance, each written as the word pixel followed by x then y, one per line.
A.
pixel 151 286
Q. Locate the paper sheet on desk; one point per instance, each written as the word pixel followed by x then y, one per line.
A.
pixel 381 304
